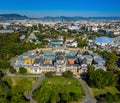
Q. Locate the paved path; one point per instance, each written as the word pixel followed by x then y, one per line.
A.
pixel 23 76
pixel 88 99
pixel 35 87
pixel 13 60
pixel 40 78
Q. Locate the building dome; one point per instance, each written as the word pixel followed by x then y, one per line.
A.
pixel 59 58
pixel 103 41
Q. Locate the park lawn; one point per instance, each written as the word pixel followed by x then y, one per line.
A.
pixel 71 84
pixel 60 80
pixel 56 85
pixel 95 92
pixel 23 83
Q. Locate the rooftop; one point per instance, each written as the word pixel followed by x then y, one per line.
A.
pixel 103 40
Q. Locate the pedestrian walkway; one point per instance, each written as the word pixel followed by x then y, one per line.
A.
pixel 42 76
pixel 89 98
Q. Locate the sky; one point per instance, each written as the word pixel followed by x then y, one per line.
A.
pixel 41 8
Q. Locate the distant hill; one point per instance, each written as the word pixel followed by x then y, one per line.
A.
pixel 79 18
pixel 12 17
pixel 63 18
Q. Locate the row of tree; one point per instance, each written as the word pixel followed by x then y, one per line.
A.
pixel 100 78
pixel 111 59
pixel 10 95
pixel 108 97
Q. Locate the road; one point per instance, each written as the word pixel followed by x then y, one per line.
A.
pixel 88 99
pixel 41 77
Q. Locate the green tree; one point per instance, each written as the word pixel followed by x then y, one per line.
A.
pixel 12 70
pixel 5 90
pixel 74 96
pixel 82 43
pixel 67 74
pixel 4 100
pixel 49 74
pixel 22 70
pixel 111 58
pixel 100 78
pixel 108 97
pixel 91 74
pixel 1 74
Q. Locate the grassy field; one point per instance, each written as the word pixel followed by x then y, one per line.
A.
pixel 59 80
pixel 23 83
pixel 95 92
pixel 71 84
pixel 56 85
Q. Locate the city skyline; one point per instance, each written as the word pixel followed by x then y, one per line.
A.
pixel 84 8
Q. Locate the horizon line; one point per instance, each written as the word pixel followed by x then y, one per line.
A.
pixel 55 16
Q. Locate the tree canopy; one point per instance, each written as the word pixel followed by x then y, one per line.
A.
pixel 49 74
pixel 100 78
pixel 111 58
pixel 67 74
pixel 22 70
